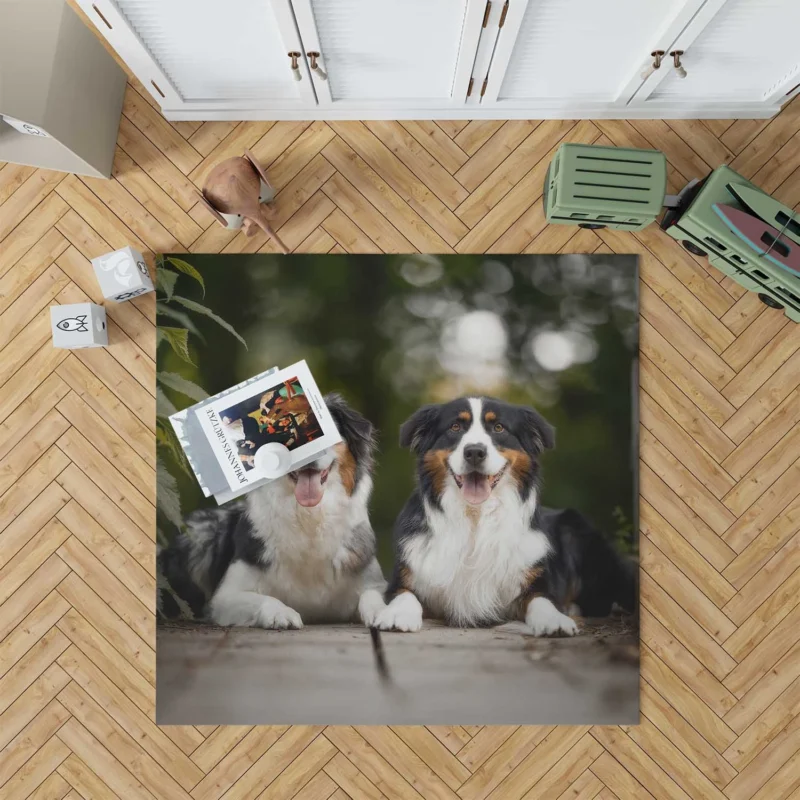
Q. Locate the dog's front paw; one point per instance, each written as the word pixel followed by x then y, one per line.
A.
pixel 370 605
pixel 544 619
pixel 277 615
pixel 404 613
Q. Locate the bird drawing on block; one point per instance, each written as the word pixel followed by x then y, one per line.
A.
pixel 233 187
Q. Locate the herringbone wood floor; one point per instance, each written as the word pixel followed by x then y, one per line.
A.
pixel 720 471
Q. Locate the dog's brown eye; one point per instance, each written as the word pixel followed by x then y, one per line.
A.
pixel 498 427
pixel 455 427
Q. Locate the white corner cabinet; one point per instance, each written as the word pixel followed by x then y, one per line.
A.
pixel 450 59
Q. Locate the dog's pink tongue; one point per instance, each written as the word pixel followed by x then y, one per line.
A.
pixel 308 489
pixel 476 488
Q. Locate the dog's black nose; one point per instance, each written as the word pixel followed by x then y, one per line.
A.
pixel 475 454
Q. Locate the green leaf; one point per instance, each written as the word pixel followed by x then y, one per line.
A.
pixel 192 306
pixel 163 585
pixel 164 407
pixel 179 316
pixel 180 384
pixel 165 436
pixel 168 500
pixel 166 280
pixel 178 339
pixel 187 269
pixel 163 540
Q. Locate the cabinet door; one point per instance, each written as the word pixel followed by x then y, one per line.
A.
pixel 559 54
pixel 208 54
pixel 387 54
pixel 735 51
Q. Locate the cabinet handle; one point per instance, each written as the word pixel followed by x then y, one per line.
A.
pixel 657 56
pixel 676 58
pixel 315 68
pixel 503 15
pixel 100 14
pixel 294 55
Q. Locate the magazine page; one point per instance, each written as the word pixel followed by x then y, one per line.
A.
pixel 197 447
pixel 285 408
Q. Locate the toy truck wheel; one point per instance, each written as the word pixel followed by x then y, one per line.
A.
pixel 769 301
pixel 592 226
pixel 694 249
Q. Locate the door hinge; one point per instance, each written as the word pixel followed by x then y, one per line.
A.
pixel 483 88
pixel 503 15
pixel 486 13
pixel 469 88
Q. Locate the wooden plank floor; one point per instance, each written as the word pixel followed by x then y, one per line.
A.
pixel 720 471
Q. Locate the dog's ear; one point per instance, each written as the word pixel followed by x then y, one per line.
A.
pixel 414 430
pixel 356 429
pixel 542 433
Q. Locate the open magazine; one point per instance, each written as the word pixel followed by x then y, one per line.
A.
pixel 226 437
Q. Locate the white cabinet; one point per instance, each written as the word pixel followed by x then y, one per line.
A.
pixel 577 53
pixel 209 54
pixel 390 53
pixel 434 59
pixel 733 51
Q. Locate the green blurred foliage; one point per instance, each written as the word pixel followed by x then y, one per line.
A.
pixel 391 333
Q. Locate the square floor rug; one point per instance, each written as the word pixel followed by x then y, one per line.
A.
pixel 397 489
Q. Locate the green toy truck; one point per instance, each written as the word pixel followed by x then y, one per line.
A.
pixel 605 187
pixel 598 187
pixel 702 232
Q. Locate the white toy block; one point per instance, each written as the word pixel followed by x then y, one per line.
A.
pixel 78 325
pixel 122 274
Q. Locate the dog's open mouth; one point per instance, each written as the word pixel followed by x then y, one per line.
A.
pixel 309 485
pixel 475 486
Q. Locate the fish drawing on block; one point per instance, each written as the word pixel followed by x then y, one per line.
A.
pixel 762 238
pixel 77 324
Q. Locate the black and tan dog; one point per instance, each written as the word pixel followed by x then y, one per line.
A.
pixel 472 544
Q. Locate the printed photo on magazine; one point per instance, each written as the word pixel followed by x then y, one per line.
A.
pixel 286 408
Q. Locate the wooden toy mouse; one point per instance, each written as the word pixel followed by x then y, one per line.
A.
pixel 234 194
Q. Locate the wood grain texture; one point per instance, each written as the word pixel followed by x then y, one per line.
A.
pixel 720 476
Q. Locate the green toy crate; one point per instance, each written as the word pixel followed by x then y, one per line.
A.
pixel 697 226
pixel 605 187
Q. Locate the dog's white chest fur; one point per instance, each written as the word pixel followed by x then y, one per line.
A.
pixel 304 545
pixel 473 564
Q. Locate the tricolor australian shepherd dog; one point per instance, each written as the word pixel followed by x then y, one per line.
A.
pixel 474 547
pixel 299 549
